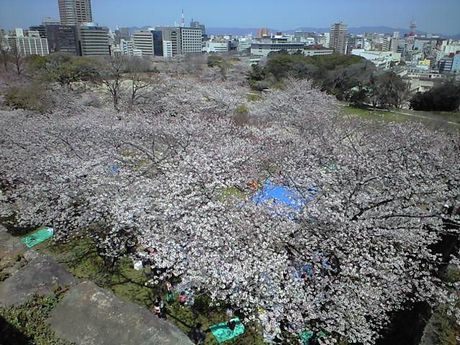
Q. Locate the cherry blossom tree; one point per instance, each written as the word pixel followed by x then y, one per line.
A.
pixel 155 185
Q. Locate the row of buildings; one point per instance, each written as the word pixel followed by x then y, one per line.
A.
pixel 161 41
pixel 76 33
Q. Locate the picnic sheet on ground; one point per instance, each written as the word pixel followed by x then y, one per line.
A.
pixel 280 194
pixel 307 335
pixel 222 333
pixel 37 237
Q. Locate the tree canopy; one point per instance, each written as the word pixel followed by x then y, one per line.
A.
pixel 157 185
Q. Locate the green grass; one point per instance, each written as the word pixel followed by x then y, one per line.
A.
pixel 82 260
pixel 370 114
pixel 435 120
pixel 27 323
pixel 232 192
pixel 442 329
pixel 254 97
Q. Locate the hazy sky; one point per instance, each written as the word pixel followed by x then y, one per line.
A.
pixel 436 16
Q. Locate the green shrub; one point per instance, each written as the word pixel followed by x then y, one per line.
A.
pixel 30 97
pixel 215 61
pixel 241 117
pixel 445 97
pixel 242 109
pixel 253 97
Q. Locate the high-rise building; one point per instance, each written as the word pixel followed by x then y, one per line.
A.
pixel 143 40
pixel 167 49
pixel 338 38
pixel 191 40
pixel 62 38
pixel 456 63
pixel 122 34
pixel 197 25
pixel 386 45
pixel 172 34
pixel 75 12
pixel 446 63
pixel 263 33
pixel 94 40
pixel 180 40
pixel 40 28
pixel 50 21
pixel 157 43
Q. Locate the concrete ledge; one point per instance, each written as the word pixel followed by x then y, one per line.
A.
pixel 89 315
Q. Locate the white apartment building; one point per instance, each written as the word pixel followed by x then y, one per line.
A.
pixel 378 58
pixel 32 44
pixel 317 52
pixel 126 47
pixel 264 48
pixel 244 44
pixel 216 47
pixel 167 49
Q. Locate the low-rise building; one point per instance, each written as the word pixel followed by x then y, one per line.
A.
pixel 381 59
pixel 456 63
pixel 126 47
pixel 265 48
pixel 445 64
pixel 244 44
pixel 216 47
pixel 317 51
pixel 262 49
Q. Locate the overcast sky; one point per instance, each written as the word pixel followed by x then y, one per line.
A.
pixel 435 16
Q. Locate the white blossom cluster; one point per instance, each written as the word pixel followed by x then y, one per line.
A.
pixel 161 186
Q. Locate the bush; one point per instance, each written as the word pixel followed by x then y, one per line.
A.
pixel 241 117
pixel 336 74
pixel 30 97
pixel 445 97
pixel 253 97
pixel 215 61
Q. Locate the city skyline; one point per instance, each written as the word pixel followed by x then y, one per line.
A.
pixel 431 16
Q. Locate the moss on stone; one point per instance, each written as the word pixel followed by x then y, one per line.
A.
pixel 27 323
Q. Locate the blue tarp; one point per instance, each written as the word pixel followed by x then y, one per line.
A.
pixel 273 195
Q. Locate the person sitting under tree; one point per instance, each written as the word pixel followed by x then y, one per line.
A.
pixel 197 335
pixel 182 298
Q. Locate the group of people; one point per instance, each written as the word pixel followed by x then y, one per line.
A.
pixel 196 334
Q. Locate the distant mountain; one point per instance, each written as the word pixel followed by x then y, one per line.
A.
pixel 233 31
pixel 352 30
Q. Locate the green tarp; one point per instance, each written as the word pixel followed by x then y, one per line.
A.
pixel 223 333
pixel 37 237
pixel 306 336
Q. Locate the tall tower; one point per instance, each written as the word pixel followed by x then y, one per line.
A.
pixel 413 28
pixel 182 21
pixel 73 12
pixel 338 38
